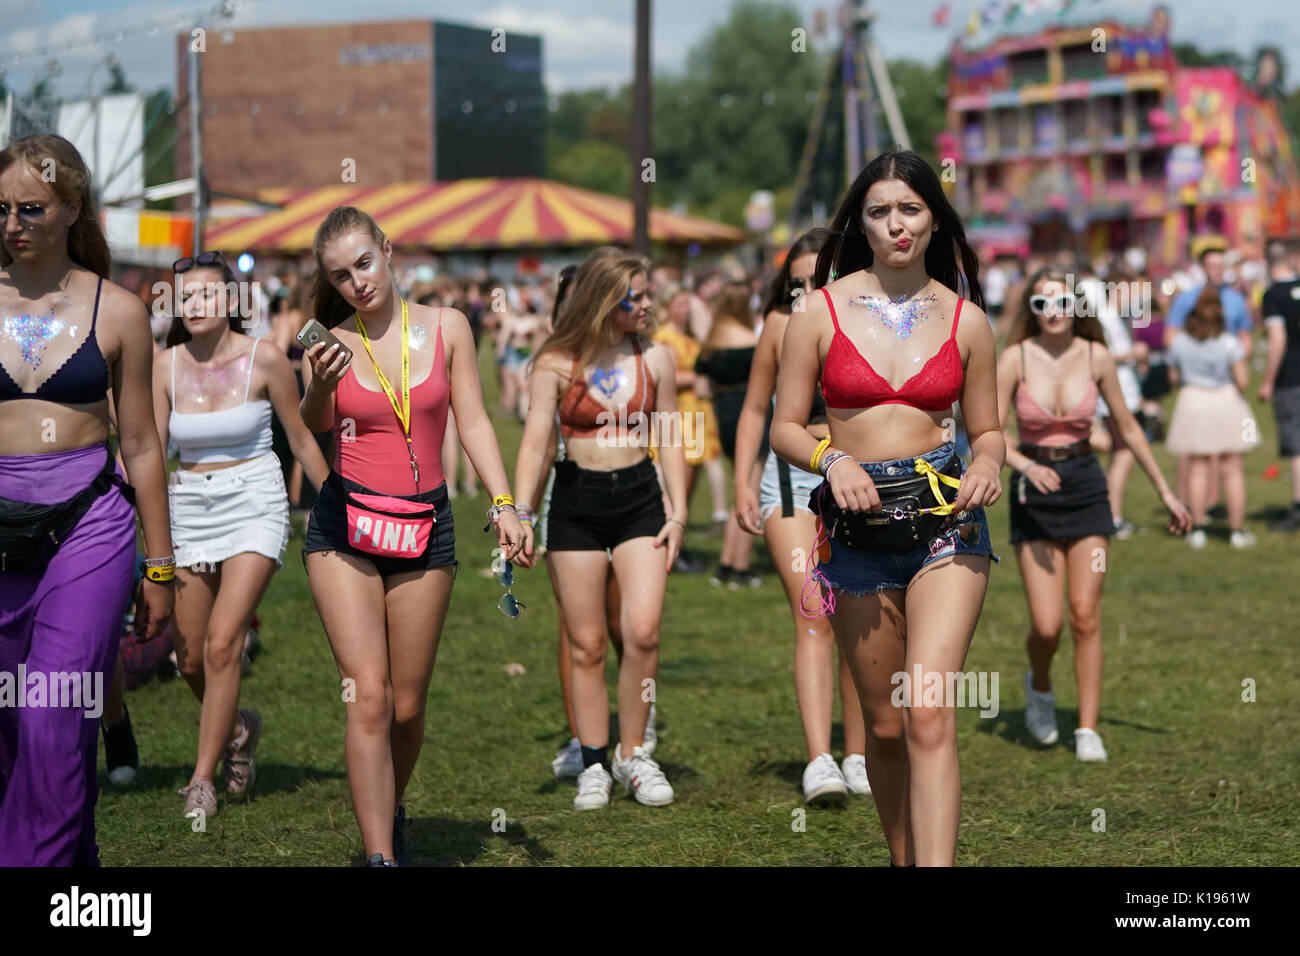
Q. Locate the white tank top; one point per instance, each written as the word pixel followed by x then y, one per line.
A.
pixel 229 434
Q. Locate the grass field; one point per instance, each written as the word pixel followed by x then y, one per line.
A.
pixel 1196 776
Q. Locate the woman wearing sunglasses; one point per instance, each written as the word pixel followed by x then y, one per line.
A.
pixel 1054 368
pixel 380 546
pixel 214 391
pixel 905 564
pixel 610 387
pixel 786 489
pixel 69 340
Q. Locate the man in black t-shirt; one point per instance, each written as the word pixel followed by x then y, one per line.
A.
pixel 1281 310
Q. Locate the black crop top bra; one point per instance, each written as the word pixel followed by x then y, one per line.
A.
pixel 81 380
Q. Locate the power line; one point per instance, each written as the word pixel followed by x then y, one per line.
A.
pixel 186 21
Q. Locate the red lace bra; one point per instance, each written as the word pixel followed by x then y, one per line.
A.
pixel 849 381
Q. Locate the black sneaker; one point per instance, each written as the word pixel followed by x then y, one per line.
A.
pixel 120 751
pixel 378 860
pixel 399 837
pixel 722 576
pixel 1290 523
pixel 1218 513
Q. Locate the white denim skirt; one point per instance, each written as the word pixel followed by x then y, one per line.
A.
pixel 219 514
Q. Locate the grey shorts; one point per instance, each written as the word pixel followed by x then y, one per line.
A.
pixel 1286 407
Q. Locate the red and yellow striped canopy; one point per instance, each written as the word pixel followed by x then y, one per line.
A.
pixel 464 214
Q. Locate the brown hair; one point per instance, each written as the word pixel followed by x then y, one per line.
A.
pixel 178 334
pixel 599 285
pixel 87 245
pixel 1026 324
pixel 331 307
pixel 1205 321
pixel 731 305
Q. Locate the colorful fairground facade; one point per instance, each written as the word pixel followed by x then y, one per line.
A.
pixel 1073 130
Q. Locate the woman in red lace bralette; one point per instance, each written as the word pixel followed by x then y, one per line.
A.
pixel 1055 365
pixel 380 544
pixel 904 563
pixel 610 386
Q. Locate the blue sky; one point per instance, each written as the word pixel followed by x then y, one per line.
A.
pixel 585 42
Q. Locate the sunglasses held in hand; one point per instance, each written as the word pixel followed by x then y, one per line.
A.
pixel 508 605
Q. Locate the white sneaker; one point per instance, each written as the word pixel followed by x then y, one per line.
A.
pixel 1242 539
pixel 1040 712
pixel 641 777
pixel 650 739
pixel 1196 539
pixel 823 784
pixel 594 785
pixel 567 764
pixel 855 773
pixel 1087 746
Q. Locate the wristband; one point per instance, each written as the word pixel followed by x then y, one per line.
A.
pixel 167 562
pixel 159 575
pixel 829 462
pixel 526 519
pixel 500 500
pixel 679 521
pixel 817 454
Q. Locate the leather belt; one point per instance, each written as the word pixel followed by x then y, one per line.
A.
pixel 1046 454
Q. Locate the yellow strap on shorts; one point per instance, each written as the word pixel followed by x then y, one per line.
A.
pixel 923 467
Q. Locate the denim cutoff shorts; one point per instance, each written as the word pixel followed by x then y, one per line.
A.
pixel 855 571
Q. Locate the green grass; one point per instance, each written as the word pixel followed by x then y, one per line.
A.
pixel 1196 776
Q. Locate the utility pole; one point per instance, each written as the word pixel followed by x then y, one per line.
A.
pixel 641 132
pixel 198 198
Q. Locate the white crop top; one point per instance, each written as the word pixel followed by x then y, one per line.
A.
pixel 229 434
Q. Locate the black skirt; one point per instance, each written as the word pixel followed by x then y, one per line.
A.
pixel 1080 507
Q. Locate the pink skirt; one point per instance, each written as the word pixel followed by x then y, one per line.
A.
pixel 1211 421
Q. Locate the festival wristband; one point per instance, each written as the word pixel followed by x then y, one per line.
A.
pixel 817 454
pixel 159 575
pixel 167 562
pixel 526 519
pixel 500 500
pixel 830 460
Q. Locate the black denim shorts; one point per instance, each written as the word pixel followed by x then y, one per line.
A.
pixel 599 510
pixel 327 528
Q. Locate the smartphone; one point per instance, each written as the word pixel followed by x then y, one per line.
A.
pixel 314 332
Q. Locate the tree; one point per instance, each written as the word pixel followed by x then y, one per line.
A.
pixel 117 79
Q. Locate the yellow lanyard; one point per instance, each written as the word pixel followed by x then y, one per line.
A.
pixel 402 411
pixel 923 467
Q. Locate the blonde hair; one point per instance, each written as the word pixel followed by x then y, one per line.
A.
pixel 731 305
pixel 331 307
pixel 599 285
pixel 87 244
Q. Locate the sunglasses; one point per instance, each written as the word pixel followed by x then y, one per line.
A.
pixel 29 213
pixel 508 605
pixel 1061 304
pixel 202 259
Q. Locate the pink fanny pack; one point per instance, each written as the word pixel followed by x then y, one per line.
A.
pixel 389 527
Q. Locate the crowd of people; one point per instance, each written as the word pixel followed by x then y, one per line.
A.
pixel 351 393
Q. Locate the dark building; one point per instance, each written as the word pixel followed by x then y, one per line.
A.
pixel 370 103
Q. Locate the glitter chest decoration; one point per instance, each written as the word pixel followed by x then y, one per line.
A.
pixel 33 333
pixel 901 315
pixel 214 388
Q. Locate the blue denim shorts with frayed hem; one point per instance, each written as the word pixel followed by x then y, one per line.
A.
pixel 857 572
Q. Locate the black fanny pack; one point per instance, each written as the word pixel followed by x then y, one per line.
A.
pixel 30 535
pixel 900 525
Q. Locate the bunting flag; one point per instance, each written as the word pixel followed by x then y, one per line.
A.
pixel 940 16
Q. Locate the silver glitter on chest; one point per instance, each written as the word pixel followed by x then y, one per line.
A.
pixel 419 335
pixel 899 316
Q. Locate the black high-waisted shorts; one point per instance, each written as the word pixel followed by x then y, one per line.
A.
pixel 327 528
pixel 599 510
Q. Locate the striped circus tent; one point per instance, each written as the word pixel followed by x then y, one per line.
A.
pixel 464 214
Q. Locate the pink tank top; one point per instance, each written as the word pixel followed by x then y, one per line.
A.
pixel 1038 426
pixel 369 446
